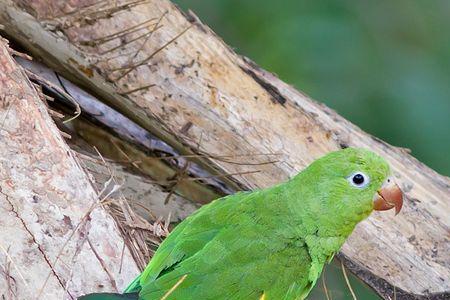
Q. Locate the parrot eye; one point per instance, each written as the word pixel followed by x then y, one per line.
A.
pixel 359 179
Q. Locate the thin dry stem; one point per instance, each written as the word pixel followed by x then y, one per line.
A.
pixel 81 9
pixel 140 236
pixel 156 27
pixel 130 68
pixel 15 266
pixel 103 264
pixel 147 35
pixel 58 256
pixel 348 282
pixel 137 89
pixel 324 285
pixel 61 90
pixel 129 160
pixel 122 33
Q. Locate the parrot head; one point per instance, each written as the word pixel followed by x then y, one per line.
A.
pixel 348 185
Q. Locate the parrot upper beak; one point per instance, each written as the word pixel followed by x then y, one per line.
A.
pixel 389 196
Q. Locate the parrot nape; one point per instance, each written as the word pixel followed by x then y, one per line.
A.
pixel 269 244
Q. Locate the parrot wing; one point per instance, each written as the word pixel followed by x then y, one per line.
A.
pixel 184 241
pixel 228 252
pixel 237 265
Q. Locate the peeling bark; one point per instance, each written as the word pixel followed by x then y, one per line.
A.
pixel 198 96
pixel 48 208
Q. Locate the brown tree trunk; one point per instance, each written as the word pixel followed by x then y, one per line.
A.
pixel 174 77
pixel 56 239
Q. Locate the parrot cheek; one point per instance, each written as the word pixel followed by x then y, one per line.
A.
pixel 388 197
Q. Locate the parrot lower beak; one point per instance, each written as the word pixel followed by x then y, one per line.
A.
pixel 389 196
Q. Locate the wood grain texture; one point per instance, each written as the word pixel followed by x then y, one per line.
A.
pixel 206 99
pixel 51 221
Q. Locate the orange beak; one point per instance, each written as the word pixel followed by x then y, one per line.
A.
pixel 388 197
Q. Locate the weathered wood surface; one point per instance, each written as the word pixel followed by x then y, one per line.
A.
pixel 52 224
pixel 143 195
pixel 197 95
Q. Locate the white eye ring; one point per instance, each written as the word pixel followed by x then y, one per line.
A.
pixel 359 180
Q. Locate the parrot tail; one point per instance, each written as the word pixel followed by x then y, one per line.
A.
pixel 110 296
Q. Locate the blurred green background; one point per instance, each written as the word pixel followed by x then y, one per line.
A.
pixel 384 65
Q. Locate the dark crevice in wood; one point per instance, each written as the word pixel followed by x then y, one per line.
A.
pixel 384 288
pixel 277 97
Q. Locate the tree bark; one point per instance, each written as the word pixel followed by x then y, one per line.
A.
pixel 54 231
pixel 174 77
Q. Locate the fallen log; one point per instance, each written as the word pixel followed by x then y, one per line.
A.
pixel 54 227
pixel 174 77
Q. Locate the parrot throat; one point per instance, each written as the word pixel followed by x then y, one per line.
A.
pixel 323 231
pixel 322 249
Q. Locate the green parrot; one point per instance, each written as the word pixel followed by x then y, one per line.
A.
pixel 269 244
